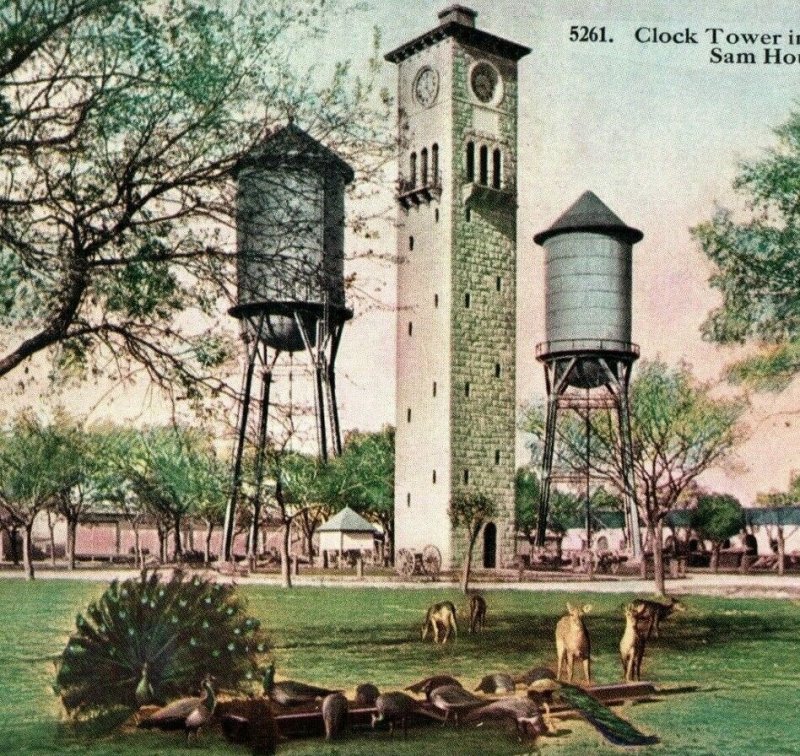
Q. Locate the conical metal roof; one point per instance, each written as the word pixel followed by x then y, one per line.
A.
pixel 348 521
pixel 589 213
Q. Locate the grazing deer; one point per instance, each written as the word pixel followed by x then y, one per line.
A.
pixel 652 612
pixel 477 612
pixel 631 647
pixel 442 614
pixel 572 642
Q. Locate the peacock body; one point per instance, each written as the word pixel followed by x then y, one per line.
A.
pixel 291 692
pixel 150 640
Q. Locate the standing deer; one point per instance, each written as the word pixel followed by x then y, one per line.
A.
pixel 631 647
pixel 654 611
pixel 442 614
pixel 572 642
pixel 477 612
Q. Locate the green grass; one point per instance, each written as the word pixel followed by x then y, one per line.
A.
pixel 743 655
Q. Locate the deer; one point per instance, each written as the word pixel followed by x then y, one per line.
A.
pixel 652 612
pixel 572 642
pixel 442 614
pixel 477 612
pixel 631 647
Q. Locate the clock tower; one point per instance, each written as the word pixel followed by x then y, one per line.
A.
pixel 456 285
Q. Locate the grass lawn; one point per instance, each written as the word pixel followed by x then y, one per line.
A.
pixel 744 655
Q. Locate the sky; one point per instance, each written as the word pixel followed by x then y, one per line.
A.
pixel 654 128
pixel 657 131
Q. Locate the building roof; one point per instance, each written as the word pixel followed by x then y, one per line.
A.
pixel 589 213
pixel 290 144
pixel 458 22
pixel 347 521
pixel 772 515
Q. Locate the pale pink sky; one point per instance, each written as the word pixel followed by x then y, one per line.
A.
pixel 655 130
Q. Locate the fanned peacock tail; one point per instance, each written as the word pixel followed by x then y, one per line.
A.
pixel 181 629
pixel 613 728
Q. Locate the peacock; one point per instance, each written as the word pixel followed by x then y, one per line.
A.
pixel 615 729
pixel 454 699
pixel 335 714
pixel 427 684
pixel 147 640
pixel 499 682
pixel 366 693
pixel 395 708
pixel 291 692
pixel 524 712
pixel 189 713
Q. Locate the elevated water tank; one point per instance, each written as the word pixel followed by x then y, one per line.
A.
pixel 290 236
pixel 588 277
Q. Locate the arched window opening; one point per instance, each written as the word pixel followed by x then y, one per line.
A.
pixel 470 161
pixel 484 165
pixel 423 166
pixel 497 166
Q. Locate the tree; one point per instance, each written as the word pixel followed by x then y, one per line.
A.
pixel 781 516
pixel 35 470
pixel 679 430
pixel 363 478
pixel 716 518
pixel 563 510
pixel 470 510
pixel 120 124
pixel 757 265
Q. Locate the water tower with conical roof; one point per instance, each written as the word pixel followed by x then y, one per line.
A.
pixel 588 355
pixel 290 280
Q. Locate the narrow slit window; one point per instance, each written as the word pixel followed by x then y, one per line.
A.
pixel 466 477
pixel 434 388
pixel 484 165
pixel 423 166
pixel 467 300
pixel 466 389
pixel 496 369
pixel 434 476
pixel 408 415
pixel 470 161
pixel 468 215
pixel 411 242
pixel 497 456
pixel 435 300
pixel 498 283
pixel 410 328
pixel 435 166
pixel 436 214
pixel 497 166
pixel 408 500
pixel 412 170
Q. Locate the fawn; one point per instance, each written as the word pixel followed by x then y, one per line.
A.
pixel 572 642
pixel 652 612
pixel 477 612
pixel 631 647
pixel 444 614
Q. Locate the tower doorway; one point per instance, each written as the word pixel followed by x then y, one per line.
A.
pixel 490 546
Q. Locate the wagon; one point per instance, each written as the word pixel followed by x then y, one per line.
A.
pixel 426 562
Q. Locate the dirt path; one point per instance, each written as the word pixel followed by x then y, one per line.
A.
pixel 742 586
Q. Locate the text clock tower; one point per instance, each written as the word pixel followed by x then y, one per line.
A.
pixel 456 284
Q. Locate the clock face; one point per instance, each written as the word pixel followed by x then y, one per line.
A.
pixel 484 81
pixel 426 86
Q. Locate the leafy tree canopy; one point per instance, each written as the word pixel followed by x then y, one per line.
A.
pixel 758 266
pixel 717 517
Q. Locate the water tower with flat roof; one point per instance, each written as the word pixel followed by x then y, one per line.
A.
pixel 290 280
pixel 588 355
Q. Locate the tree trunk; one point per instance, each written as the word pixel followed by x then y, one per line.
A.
pixel 286 567
pixel 13 535
pixel 715 556
pixel 51 526
pixel 178 551
pixel 781 550
pixel 162 544
pixel 207 546
pixel 27 551
pixel 658 556
pixel 137 549
pixel 468 561
pixel 72 538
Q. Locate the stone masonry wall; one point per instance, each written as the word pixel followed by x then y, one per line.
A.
pixel 484 333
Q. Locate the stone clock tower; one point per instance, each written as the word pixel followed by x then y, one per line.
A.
pixel 456 284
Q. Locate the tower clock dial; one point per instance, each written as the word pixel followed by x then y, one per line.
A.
pixel 426 86
pixel 484 82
